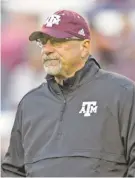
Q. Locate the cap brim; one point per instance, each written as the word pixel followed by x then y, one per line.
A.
pixel 49 32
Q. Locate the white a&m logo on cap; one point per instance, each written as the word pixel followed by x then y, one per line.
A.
pixel 53 19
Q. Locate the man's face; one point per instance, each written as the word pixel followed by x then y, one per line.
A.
pixel 60 56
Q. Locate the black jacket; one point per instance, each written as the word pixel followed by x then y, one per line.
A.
pixel 84 129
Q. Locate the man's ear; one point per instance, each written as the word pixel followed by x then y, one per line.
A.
pixel 85 48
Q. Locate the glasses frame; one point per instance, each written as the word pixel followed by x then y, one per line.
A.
pixel 41 42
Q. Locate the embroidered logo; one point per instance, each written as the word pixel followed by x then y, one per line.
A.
pixel 53 19
pixel 81 32
pixel 88 108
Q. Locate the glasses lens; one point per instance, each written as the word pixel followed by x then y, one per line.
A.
pixel 42 41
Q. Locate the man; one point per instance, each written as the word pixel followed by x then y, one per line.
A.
pixel 82 121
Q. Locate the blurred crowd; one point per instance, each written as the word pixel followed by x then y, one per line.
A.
pixel 113 36
pixel 112 25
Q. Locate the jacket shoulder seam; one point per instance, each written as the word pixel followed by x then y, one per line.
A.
pixel 125 85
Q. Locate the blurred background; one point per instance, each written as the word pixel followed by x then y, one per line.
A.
pixel 112 24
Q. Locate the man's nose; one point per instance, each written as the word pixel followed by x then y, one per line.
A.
pixel 48 48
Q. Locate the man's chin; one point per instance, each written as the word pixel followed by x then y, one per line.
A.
pixel 51 71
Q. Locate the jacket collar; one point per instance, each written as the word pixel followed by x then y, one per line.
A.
pixel 84 75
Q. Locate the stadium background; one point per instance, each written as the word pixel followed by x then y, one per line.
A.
pixel 113 44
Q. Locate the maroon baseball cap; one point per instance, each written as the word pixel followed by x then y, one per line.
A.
pixel 63 24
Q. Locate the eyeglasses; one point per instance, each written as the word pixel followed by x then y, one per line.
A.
pixel 55 41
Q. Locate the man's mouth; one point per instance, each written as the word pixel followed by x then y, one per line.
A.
pixel 51 62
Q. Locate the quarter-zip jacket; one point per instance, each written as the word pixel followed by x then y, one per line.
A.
pixel 85 128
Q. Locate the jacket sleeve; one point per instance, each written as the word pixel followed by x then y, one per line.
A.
pixel 13 163
pixel 127 125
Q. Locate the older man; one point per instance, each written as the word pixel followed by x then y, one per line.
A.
pixel 82 121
